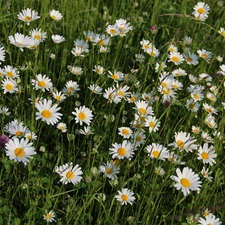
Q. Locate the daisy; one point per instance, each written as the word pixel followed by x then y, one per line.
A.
pixel 148 97
pixel 57 38
pixel 210 109
pixel 139 138
pixel 186 180
pixel 160 67
pixel 152 123
pixel 86 131
pixel 210 121
pixel 42 82
pixel 48 113
pixel 204 54
pixel 30 135
pixel 116 75
pixel 72 86
pixel 123 26
pixel 211 96
pixel 113 30
pixel 125 196
pixel 110 170
pixel 10 72
pixel 89 36
pixel 145 45
pixel 62 127
pixel 49 216
pixel 210 219
pixel 201 11
pixel 2 54
pixel 121 151
pixel 143 108
pixel 83 115
pixel 38 34
pixel 139 58
pixel 27 15
pixel 132 97
pixel 9 86
pixel 157 151
pixel 222 31
pixel 77 51
pixel 98 69
pixel 55 15
pixel 206 174
pixel 191 58
pixel 207 154
pixel 70 174
pixel 17 130
pixel 187 40
pixel 5 111
pixel 122 91
pixel 125 132
pixel 153 51
pixel 59 96
pixel 184 141
pixel 95 89
pixel 197 95
pixel 111 95
pixel 206 137
pixel 176 58
pixel 160 171
pixel 206 212
pixel 20 41
pixel 172 48
pixel 19 150
pixel 195 130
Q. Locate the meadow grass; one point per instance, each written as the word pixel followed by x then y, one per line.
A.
pixel 30 191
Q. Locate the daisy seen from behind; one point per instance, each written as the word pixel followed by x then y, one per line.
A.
pixel 125 196
pixel 47 112
pixel 49 216
pixel 57 38
pixel 19 150
pixel 83 115
pixel 186 180
pixel 28 15
pixel 69 173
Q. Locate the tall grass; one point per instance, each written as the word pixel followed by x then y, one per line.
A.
pixel 28 191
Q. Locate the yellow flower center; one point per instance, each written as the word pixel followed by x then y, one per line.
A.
pixel 133 99
pixel 101 43
pixel 120 93
pixel 196 96
pixel 185 182
pixel 125 131
pixel 175 59
pixel 164 84
pixel 142 110
pixel 58 98
pixel 208 110
pixel 203 55
pixel 122 151
pixel 112 31
pixel 189 59
pixel 124 197
pixel 19 133
pixel 151 124
pixel 108 171
pixel 223 33
pixel 205 155
pixel 27 18
pixel 138 138
pixel 41 83
pixel 115 77
pixel 37 36
pixel 19 152
pixel 174 86
pixel 46 113
pixel 82 116
pixel 10 74
pixel 9 87
pixel 152 53
pixel 53 17
pixel 180 144
pixel 70 175
pixel 155 153
pixel 48 215
pixel 201 10
pixel 166 91
pixel 191 106
pixel 146 46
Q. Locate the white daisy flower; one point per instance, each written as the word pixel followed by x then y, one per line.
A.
pixel 201 11
pixel 20 41
pixel 157 151
pixel 139 138
pixel 28 15
pixel 49 216
pixel 83 115
pixel 55 15
pixel 125 196
pixel 209 219
pixel 57 38
pixel 110 170
pixel 19 150
pixel 70 173
pixel 176 58
pixel 38 35
pixel 152 123
pixel 204 54
pixel 121 151
pixel 86 131
pixel 186 180
pixel 42 82
pixel 9 86
pixel 48 113
pixel 62 127
pixel 125 132
pixel 207 154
